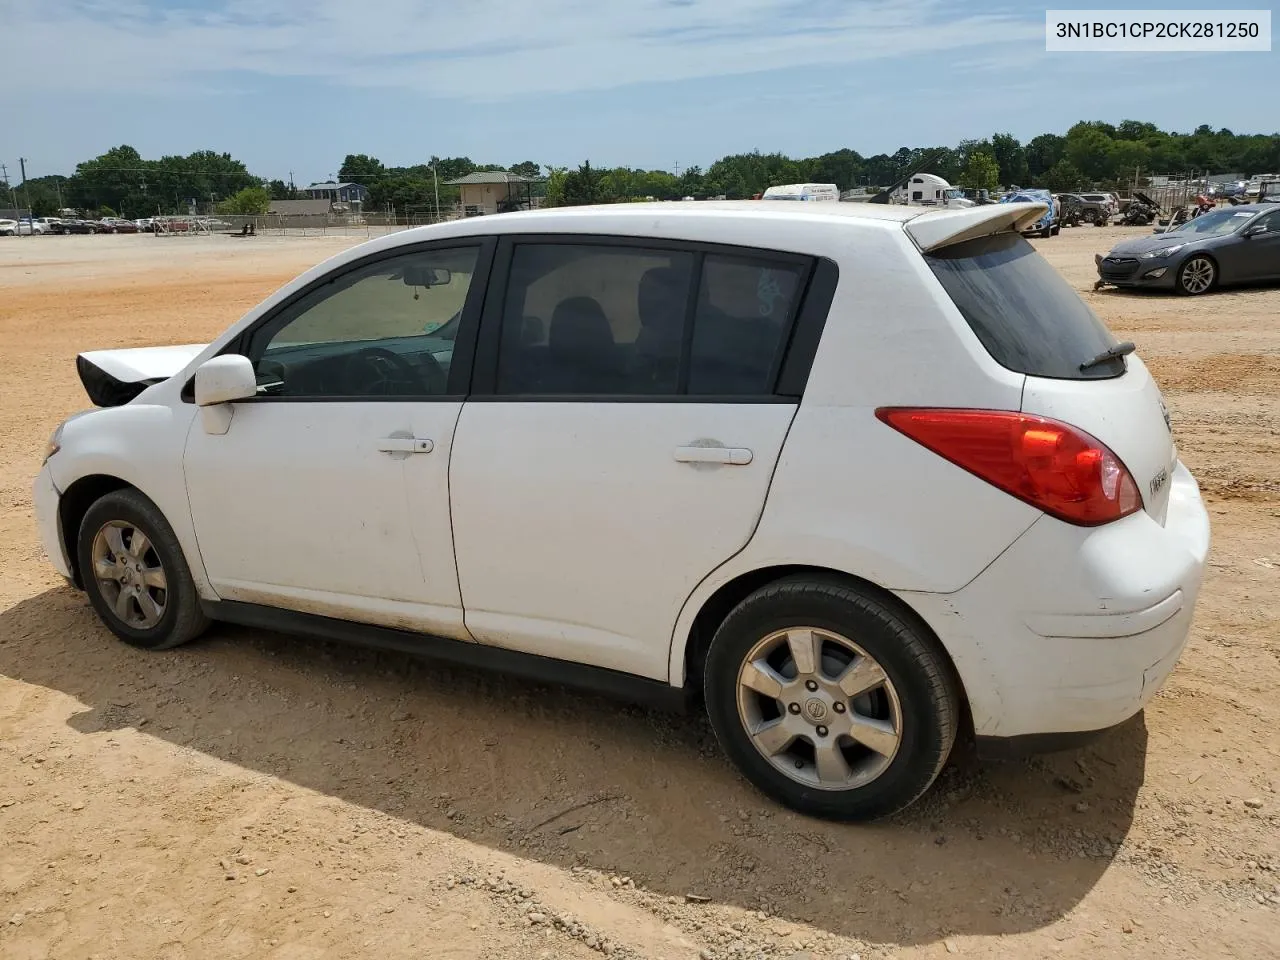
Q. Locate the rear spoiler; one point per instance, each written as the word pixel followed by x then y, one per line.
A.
pixel 942 228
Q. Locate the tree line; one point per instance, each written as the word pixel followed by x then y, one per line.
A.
pixel 1091 154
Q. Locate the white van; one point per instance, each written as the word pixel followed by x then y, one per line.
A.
pixel 803 191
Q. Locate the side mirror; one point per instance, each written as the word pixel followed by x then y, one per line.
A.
pixel 218 381
pixel 1255 230
pixel 416 276
pixel 225 378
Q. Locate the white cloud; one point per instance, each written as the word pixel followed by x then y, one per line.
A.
pixel 478 50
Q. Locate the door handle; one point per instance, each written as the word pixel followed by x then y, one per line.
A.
pixel 736 456
pixel 405 445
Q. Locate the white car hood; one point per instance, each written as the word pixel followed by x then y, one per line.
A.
pixel 144 363
pixel 114 377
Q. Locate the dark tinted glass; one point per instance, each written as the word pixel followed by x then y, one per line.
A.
pixel 1024 313
pixel 745 308
pixel 594 319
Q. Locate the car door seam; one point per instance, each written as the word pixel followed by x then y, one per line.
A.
pixel 453 536
pixel 191 513
pixel 764 504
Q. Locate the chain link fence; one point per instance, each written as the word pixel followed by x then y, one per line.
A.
pixel 293 225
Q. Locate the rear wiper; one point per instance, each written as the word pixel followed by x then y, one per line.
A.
pixel 1119 350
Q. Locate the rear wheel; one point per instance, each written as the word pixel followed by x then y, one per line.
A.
pixel 135 574
pixel 831 700
pixel 1197 276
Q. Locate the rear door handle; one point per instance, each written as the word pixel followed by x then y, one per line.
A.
pixel 736 456
pixel 405 445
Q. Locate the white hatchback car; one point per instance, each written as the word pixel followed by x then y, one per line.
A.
pixel 861 477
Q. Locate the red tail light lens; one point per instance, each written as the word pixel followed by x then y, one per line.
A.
pixel 1051 465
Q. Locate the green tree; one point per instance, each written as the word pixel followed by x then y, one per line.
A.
pixel 555 186
pixel 1063 177
pixel 1128 156
pixel 1042 153
pixel 361 168
pixel 280 190
pixel 1089 149
pixel 42 194
pixel 981 172
pixel 249 202
pixel 527 168
pixel 583 186
pixel 692 183
pixel 1010 157
pixel 116 179
pixel 844 168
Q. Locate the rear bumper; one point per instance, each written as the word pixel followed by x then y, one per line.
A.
pixel 1074 630
pixel 45 499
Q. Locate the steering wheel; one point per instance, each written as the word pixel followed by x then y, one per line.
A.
pixel 378 372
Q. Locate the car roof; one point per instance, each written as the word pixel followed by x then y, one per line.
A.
pixel 780 225
pixel 550 218
pixel 723 221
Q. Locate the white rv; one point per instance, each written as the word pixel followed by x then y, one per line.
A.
pixel 928 190
pixel 802 191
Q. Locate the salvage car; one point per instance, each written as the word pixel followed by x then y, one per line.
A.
pixel 1225 246
pixel 1048 225
pixel 668 451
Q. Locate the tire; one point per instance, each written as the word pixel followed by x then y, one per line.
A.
pixel 911 697
pixel 1055 231
pixel 174 604
pixel 1196 275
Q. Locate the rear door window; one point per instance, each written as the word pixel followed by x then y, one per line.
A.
pixel 1027 317
pixel 594 318
pixel 745 308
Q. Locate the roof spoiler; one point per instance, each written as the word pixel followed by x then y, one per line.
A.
pixel 942 228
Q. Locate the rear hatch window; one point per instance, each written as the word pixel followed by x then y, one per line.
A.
pixel 1027 317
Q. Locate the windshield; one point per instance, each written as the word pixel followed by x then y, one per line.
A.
pixel 1028 317
pixel 1215 224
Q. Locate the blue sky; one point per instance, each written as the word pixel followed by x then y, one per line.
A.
pixel 287 85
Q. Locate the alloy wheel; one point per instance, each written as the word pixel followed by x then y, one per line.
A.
pixel 1197 275
pixel 129 574
pixel 819 708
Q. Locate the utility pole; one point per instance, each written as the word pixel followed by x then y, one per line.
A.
pixel 4 175
pixel 22 165
pixel 435 179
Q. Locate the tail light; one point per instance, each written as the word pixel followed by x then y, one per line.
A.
pixel 1051 465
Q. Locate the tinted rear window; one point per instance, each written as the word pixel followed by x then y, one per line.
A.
pixel 1022 310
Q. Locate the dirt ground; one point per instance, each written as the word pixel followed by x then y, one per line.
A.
pixel 253 795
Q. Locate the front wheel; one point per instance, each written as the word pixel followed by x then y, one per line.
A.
pixel 1197 276
pixel 830 699
pixel 135 574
